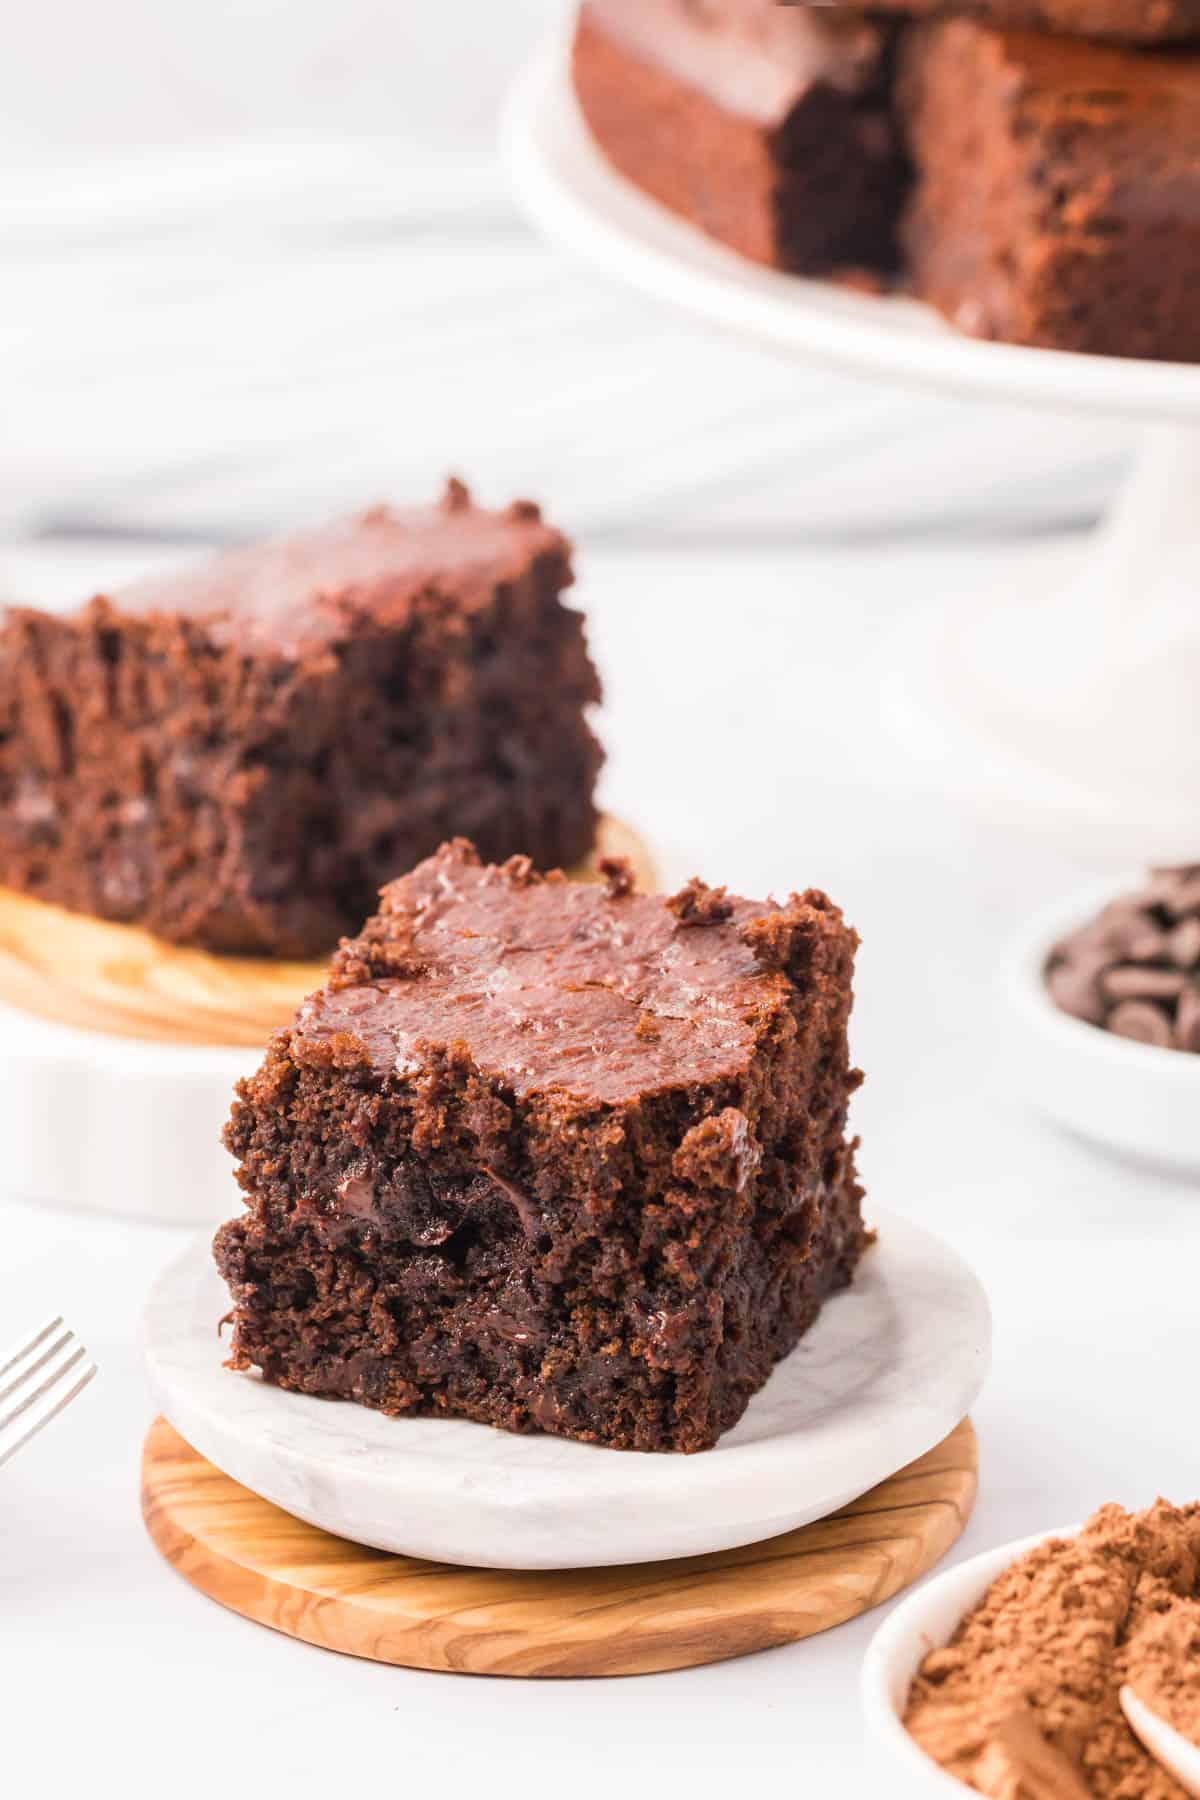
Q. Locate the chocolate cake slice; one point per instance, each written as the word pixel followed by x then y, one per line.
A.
pixel 552 1156
pixel 1057 189
pixel 238 757
pixel 766 125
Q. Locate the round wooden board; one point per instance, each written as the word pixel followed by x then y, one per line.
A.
pixel 118 979
pixel 635 1620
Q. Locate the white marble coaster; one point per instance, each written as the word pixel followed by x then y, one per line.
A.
pixel 889 1369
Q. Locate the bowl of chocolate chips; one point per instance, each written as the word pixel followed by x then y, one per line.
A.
pixel 1106 989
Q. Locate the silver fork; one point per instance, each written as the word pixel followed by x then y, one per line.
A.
pixel 39 1376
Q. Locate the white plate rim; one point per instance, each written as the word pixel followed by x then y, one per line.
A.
pixel 219 1418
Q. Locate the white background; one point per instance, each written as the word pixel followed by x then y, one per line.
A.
pixel 140 73
pixel 257 262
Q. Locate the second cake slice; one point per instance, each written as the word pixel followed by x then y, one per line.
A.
pixel 239 755
pixel 552 1156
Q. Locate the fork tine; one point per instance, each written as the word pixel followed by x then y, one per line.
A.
pixel 53 1399
pixel 18 1352
pixel 45 1374
pixel 42 1351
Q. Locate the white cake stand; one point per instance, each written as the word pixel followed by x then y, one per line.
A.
pixel 1071 704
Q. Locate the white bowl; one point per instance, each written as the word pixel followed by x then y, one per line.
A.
pixel 924 1621
pixel 1133 1098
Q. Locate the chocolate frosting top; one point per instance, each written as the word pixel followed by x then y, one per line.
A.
pixel 318 587
pixel 550 983
pixel 756 58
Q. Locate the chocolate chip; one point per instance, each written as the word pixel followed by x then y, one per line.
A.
pixel 1124 929
pixel 1183 944
pixel 1141 1021
pixel 1182 898
pixel 1145 943
pixel 1129 982
pixel 1187 1020
pixel 1075 987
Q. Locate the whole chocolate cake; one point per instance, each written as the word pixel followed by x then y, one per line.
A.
pixel 1036 187
pixel 238 757
pixel 552 1156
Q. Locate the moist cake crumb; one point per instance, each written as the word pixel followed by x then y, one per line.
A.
pixel 545 1155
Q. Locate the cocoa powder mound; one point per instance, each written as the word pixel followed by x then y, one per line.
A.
pixel 1023 1703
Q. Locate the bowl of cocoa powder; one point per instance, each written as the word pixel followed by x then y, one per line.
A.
pixel 1104 993
pixel 1003 1676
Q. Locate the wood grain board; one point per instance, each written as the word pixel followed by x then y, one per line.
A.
pixel 635 1620
pixel 118 979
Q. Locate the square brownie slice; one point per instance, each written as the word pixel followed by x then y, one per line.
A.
pixel 765 125
pixel 239 756
pixel 1057 189
pixel 552 1156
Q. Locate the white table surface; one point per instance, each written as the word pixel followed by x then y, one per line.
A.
pixel 745 738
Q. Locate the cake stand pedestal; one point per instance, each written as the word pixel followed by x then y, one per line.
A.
pixel 1073 703
pixel 632 1620
pixel 119 1054
pixel 1068 706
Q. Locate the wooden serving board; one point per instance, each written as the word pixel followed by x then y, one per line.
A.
pixel 118 979
pixel 636 1620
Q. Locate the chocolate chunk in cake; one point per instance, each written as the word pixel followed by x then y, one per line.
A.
pixel 240 756
pixel 552 1156
pixel 765 125
pixel 1057 189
